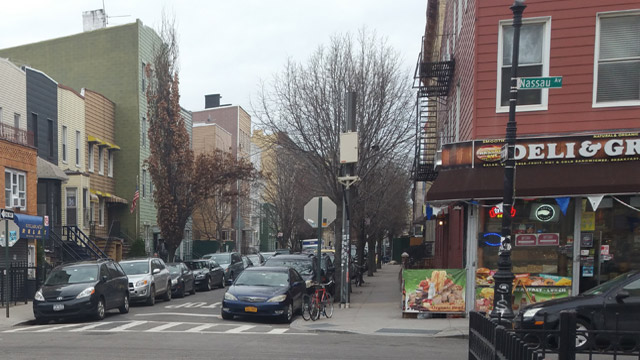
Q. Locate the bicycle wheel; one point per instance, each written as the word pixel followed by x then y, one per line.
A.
pixel 306 311
pixel 328 306
pixel 314 309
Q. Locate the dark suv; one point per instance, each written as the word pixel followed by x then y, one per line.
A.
pixel 230 262
pixel 87 288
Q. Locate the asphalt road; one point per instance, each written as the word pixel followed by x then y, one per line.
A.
pixel 191 328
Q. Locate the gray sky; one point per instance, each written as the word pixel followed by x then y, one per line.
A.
pixel 228 46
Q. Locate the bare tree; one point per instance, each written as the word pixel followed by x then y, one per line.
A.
pixel 305 101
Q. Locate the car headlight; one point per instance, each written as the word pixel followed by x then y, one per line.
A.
pixel 141 283
pixel 531 312
pixel 86 292
pixel 229 296
pixel 174 282
pixel 279 298
pixel 39 296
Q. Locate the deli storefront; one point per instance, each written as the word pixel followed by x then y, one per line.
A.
pixel 576 217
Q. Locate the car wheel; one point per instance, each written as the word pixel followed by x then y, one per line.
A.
pixel 582 337
pixel 207 285
pixel 226 316
pixel 100 309
pixel 125 306
pixel 288 314
pixel 193 289
pixel 182 291
pixel 222 282
pixel 152 296
pixel 167 295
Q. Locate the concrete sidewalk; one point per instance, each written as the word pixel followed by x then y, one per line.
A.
pixel 375 309
pixel 18 314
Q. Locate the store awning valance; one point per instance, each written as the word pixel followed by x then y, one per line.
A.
pixel 537 181
pixel 95 140
pixel 116 199
pixel 94 198
pixel 31 227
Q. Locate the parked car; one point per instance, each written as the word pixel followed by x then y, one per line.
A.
pixel 182 279
pixel 246 262
pixel 267 255
pixel 257 259
pixel 306 266
pixel 266 292
pixel 208 274
pixel 230 262
pixel 615 303
pixel 283 251
pixel 88 288
pixel 148 279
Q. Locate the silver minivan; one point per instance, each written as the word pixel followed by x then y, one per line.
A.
pixel 148 279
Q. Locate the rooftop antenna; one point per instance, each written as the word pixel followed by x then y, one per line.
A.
pixel 107 17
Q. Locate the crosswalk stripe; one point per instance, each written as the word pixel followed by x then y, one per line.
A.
pixel 128 326
pixel 25 328
pixel 240 329
pixel 201 328
pixel 164 327
pixel 54 328
pixel 92 326
pixel 277 331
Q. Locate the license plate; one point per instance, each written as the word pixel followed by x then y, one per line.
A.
pixel 58 307
pixel 251 309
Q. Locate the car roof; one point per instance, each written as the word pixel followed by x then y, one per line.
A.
pixel 268 268
pixel 293 256
pixel 138 259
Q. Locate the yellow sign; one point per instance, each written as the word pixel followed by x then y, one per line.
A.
pixel 588 221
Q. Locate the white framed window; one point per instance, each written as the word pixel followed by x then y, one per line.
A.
pixel 90 157
pixel 15 189
pixel 144 132
pixel 616 73
pixel 535 38
pixel 110 164
pixel 78 141
pixel 150 186
pixel 72 206
pixel 100 161
pixel 144 183
pixel 101 212
pixel 16 121
pixel 64 144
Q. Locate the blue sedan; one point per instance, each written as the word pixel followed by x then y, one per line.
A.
pixel 265 292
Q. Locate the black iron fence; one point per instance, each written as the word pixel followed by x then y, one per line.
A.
pixel 23 281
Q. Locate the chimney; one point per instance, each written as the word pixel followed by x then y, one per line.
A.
pixel 93 20
pixel 212 101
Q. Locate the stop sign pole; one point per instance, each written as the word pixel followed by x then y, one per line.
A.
pixel 325 216
pixel 318 273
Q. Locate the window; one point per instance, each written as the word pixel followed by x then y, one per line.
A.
pixel 144 182
pixel 533 61
pixel 151 187
pixel 100 161
pixel 144 78
pixel 64 144
pixel 144 132
pixel 101 212
pixel 16 121
pixel 110 165
pixel 86 203
pixel 90 157
pixel 617 60
pixel 15 190
pixel 72 207
pixel 78 141
pixel 50 136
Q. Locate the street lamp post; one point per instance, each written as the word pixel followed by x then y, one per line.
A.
pixel 502 301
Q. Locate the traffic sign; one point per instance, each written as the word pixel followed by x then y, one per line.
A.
pixel 6 214
pixel 547 82
pixel 328 211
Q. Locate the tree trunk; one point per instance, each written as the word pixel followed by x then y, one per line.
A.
pixel 380 254
pixel 371 257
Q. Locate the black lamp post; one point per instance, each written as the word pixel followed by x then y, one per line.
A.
pixel 502 300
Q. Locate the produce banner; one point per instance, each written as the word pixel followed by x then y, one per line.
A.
pixel 521 296
pixel 433 290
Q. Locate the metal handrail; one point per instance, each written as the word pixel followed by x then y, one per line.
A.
pixel 86 241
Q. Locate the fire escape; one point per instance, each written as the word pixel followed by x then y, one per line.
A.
pixel 433 80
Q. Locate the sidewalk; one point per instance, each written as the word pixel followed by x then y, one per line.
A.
pixel 375 309
pixel 18 314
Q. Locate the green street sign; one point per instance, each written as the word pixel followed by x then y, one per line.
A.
pixel 549 82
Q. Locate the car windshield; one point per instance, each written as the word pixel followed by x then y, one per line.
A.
pixel 304 267
pixel 195 265
pixel 603 288
pixel 135 267
pixel 263 278
pixel 73 275
pixel 174 269
pixel 221 258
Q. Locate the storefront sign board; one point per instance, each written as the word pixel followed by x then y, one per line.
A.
pixel 434 290
pixel 547 239
pixel 526 240
pixel 552 239
pixel 588 221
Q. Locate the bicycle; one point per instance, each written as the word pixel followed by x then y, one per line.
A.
pixel 319 303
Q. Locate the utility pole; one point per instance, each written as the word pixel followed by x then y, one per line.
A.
pixel 503 301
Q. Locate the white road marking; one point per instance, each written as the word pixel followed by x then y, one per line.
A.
pixel 278 331
pixel 54 328
pixel 201 328
pixel 240 329
pixel 127 326
pixel 26 328
pixel 164 327
pixel 92 326
pixel 181 314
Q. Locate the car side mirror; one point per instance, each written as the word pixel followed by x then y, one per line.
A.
pixel 621 295
pixel 156 271
pixel 104 278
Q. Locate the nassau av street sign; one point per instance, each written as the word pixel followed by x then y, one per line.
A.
pixel 549 82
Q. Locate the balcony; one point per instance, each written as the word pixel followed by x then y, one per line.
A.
pixel 16 135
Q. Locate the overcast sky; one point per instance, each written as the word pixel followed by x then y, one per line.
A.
pixel 228 46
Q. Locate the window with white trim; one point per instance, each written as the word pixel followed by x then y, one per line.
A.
pixel 617 60
pixel 533 61
pixel 144 183
pixel 144 132
pixel 78 141
pixel 64 144
pixel 101 212
pixel 100 161
pixel 90 157
pixel 110 163
pixel 15 189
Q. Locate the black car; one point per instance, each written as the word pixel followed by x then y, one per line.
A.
pixel 613 303
pixel 306 266
pixel 88 288
pixel 182 280
pixel 265 292
pixel 230 262
pixel 207 274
